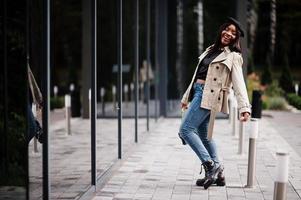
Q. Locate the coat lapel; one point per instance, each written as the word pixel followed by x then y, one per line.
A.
pixel 203 54
pixel 221 57
pixel 224 58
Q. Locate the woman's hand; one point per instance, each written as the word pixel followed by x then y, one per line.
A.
pixel 184 106
pixel 244 116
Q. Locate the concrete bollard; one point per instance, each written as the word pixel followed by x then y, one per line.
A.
pixel 252 152
pixel 68 113
pixel 35 141
pixel 281 176
pixel 234 118
pixel 241 145
pixel 55 91
pixel 126 94
pixel 114 97
pixel 102 95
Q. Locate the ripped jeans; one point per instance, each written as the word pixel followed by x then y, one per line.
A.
pixel 193 129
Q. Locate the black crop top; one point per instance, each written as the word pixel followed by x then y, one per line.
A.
pixel 204 64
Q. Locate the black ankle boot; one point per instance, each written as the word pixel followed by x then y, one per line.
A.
pixel 219 181
pixel 211 171
pixel 201 181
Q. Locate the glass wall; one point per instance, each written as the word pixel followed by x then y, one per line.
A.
pixel 13 101
pixel 70 136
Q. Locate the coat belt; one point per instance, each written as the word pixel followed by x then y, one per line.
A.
pixel 214 110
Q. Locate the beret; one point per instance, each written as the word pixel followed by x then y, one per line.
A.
pixel 237 24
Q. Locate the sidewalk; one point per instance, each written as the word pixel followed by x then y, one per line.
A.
pixel 162 168
pixel 70 156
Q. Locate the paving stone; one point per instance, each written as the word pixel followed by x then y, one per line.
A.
pixel 160 167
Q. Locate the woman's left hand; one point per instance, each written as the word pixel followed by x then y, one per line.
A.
pixel 244 116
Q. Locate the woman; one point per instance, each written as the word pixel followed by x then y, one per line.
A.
pixel 219 68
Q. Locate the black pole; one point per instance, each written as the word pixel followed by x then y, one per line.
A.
pixel 162 54
pixel 46 93
pixel 148 61
pixel 5 94
pixel 93 88
pixel 136 69
pixel 156 61
pixel 119 87
pixel 28 11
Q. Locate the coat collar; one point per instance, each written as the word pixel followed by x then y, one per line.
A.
pixel 222 57
pixel 204 53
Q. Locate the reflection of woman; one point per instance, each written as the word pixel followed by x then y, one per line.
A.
pixel 143 77
pixel 219 67
pixel 34 128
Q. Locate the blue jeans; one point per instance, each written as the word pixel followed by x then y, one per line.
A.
pixel 194 128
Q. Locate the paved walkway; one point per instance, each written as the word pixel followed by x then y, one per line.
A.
pixel 162 168
pixel 70 156
pixel 288 125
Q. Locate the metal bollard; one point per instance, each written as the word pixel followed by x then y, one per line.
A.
pixel 90 104
pixel 68 113
pixel 230 110
pixel 102 94
pixel 72 87
pixel 296 88
pixel 252 152
pixel 114 97
pixel 141 92
pixel 234 118
pixel 75 101
pixel 55 91
pixel 241 145
pixel 126 94
pixel 231 99
pixel 132 87
pixel 35 141
pixel 281 176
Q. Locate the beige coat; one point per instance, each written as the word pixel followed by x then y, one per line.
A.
pixel 224 72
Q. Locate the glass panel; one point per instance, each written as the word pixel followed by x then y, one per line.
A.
pixel 13 89
pixel 107 122
pixel 70 157
pixel 35 151
pixel 107 125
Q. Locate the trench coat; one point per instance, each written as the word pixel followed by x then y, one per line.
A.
pixel 224 72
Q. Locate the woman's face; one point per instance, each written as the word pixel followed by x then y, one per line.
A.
pixel 228 35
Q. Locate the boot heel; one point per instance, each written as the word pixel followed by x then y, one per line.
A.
pixel 221 181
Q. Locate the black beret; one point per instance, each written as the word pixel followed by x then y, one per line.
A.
pixel 237 24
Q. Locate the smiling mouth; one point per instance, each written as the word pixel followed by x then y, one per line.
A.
pixel 226 39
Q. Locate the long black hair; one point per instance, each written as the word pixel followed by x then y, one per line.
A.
pixel 233 46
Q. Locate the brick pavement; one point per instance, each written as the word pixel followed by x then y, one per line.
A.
pixel 161 168
pixel 288 126
pixel 70 156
